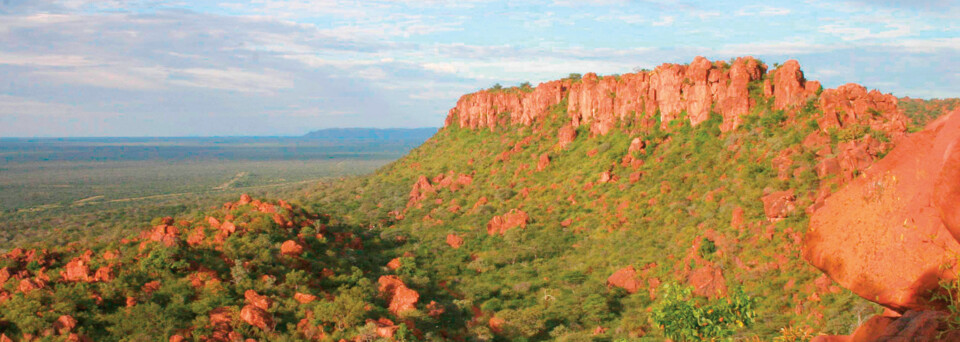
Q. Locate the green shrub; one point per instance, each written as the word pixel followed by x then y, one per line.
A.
pixel 685 317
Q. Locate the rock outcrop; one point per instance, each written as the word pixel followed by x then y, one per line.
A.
pixel 600 102
pixel 697 89
pixel 454 241
pixel 912 326
pixel 880 236
pixel 789 88
pixel 947 190
pixel 778 205
pixel 852 103
pixel 499 225
pixel 400 297
pixel 291 248
pixel 625 278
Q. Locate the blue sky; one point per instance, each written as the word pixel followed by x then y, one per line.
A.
pixel 268 67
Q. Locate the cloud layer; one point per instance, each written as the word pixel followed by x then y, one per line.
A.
pixel 269 67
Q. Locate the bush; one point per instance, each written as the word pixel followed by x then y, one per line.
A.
pixel 685 317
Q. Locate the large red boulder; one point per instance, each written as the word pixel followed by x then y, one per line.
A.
pixel 777 205
pixel 708 281
pixel 257 317
pixel 543 162
pixel 257 300
pixel 103 274
pixel 400 297
pixel 4 275
pixel 291 248
pixel 29 284
pixel 454 241
pixel 421 189
pixel 625 278
pixel 164 233
pixel 513 219
pixel 304 298
pixel 914 326
pixel 385 327
pixel 64 324
pixel 947 189
pixel 566 135
pixel 880 236
pixel 77 270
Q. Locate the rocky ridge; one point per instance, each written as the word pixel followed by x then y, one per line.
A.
pixel 696 89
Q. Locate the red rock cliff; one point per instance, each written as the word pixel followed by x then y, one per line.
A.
pixel 601 102
pixel 697 89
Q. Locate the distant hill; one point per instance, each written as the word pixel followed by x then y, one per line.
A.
pixel 389 134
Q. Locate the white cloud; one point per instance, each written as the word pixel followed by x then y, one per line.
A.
pixel 51 60
pixel 232 79
pixel 763 10
pixel 666 20
pixel 786 47
pixel 113 78
pixel 14 106
pixel 927 45
pixel 852 33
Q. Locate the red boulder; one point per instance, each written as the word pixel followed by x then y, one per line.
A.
pixel 257 317
pixel 64 324
pixel 879 236
pixel 625 278
pixel 400 297
pixel 566 135
pixel 947 189
pixel 394 264
pixel 257 300
pixel 778 205
pixel 291 248
pixel 454 241
pixel 501 224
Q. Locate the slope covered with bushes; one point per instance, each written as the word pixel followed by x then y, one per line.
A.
pixel 663 204
pixel 575 232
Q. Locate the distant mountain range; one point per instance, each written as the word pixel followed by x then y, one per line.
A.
pixel 389 134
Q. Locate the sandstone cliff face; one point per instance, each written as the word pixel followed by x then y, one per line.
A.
pixel 481 109
pixel 602 102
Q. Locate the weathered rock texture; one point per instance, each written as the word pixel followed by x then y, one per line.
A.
pixel 883 235
pixel 600 102
pixel 697 89
pixel 501 224
pixel 400 297
pixel 625 278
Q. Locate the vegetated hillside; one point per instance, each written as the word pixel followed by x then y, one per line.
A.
pixel 255 269
pixel 670 203
pixel 582 201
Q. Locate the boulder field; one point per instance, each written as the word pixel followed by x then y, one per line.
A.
pixel 890 235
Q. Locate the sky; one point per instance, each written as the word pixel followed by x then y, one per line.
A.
pixel 83 68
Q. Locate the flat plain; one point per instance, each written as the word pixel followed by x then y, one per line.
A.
pixel 94 188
